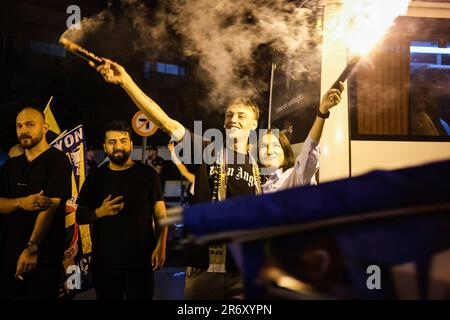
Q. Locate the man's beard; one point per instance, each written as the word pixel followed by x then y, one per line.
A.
pixel 27 142
pixel 117 158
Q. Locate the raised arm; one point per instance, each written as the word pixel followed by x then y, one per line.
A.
pixel 307 162
pixel 114 73
pixel 329 100
pixel 180 166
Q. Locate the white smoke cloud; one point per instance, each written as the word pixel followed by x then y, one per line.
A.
pixel 88 25
pixel 223 36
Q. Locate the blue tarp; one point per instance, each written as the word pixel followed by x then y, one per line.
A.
pixel 377 190
pixel 416 240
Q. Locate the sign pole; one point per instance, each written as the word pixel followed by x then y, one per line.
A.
pixel 144 147
pixel 269 121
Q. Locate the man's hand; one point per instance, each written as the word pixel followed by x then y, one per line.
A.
pixel 27 262
pixel 109 207
pixel 158 258
pixel 331 98
pixel 113 72
pixel 35 202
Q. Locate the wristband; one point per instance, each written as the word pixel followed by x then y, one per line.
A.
pixel 323 115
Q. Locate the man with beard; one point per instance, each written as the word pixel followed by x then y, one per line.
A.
pixel 211 271
pixel 120 200
pixel 34 187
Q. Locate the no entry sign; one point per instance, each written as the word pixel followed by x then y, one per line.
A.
pixel 142 125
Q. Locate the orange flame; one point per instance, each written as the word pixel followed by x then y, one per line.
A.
pixel 362 23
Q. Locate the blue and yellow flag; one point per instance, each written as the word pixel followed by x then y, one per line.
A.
pixel 78 248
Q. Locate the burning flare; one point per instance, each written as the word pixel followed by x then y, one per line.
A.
pixel 80 51
pixel 361 24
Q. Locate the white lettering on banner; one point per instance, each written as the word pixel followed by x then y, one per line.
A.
pixel 85 264
pixel 69 140
pixel 58 144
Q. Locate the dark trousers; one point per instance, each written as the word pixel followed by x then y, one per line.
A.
pixel 119 283
pixel 42 283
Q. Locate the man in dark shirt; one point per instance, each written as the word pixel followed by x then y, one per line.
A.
pixel 157 163
pixel 33 190
pixel 120 200
pixel 92 164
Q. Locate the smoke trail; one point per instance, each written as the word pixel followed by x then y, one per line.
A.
pixel 87 26
pixel 223 36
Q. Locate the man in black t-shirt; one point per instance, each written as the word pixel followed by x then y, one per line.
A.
pixel 212 272
pixel 156 162
pixel 120 200
pixel 91 163
pixel 33 190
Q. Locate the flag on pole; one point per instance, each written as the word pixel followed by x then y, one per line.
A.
pixel 50 119
pixel 78 248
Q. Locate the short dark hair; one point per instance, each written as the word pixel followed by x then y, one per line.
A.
pixel 117 125
pixel 289 157
pixel 152 148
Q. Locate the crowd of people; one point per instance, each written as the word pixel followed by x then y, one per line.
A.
pixel 122 199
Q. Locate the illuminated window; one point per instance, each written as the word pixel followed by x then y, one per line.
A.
pixel 170 69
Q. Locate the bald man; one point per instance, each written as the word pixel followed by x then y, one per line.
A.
pixel 34 187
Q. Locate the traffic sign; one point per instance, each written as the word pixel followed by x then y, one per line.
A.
pixel 142 125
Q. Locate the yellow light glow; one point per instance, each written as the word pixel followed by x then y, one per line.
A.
pixel 325 150
pixel 362 23
pixel 339 135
